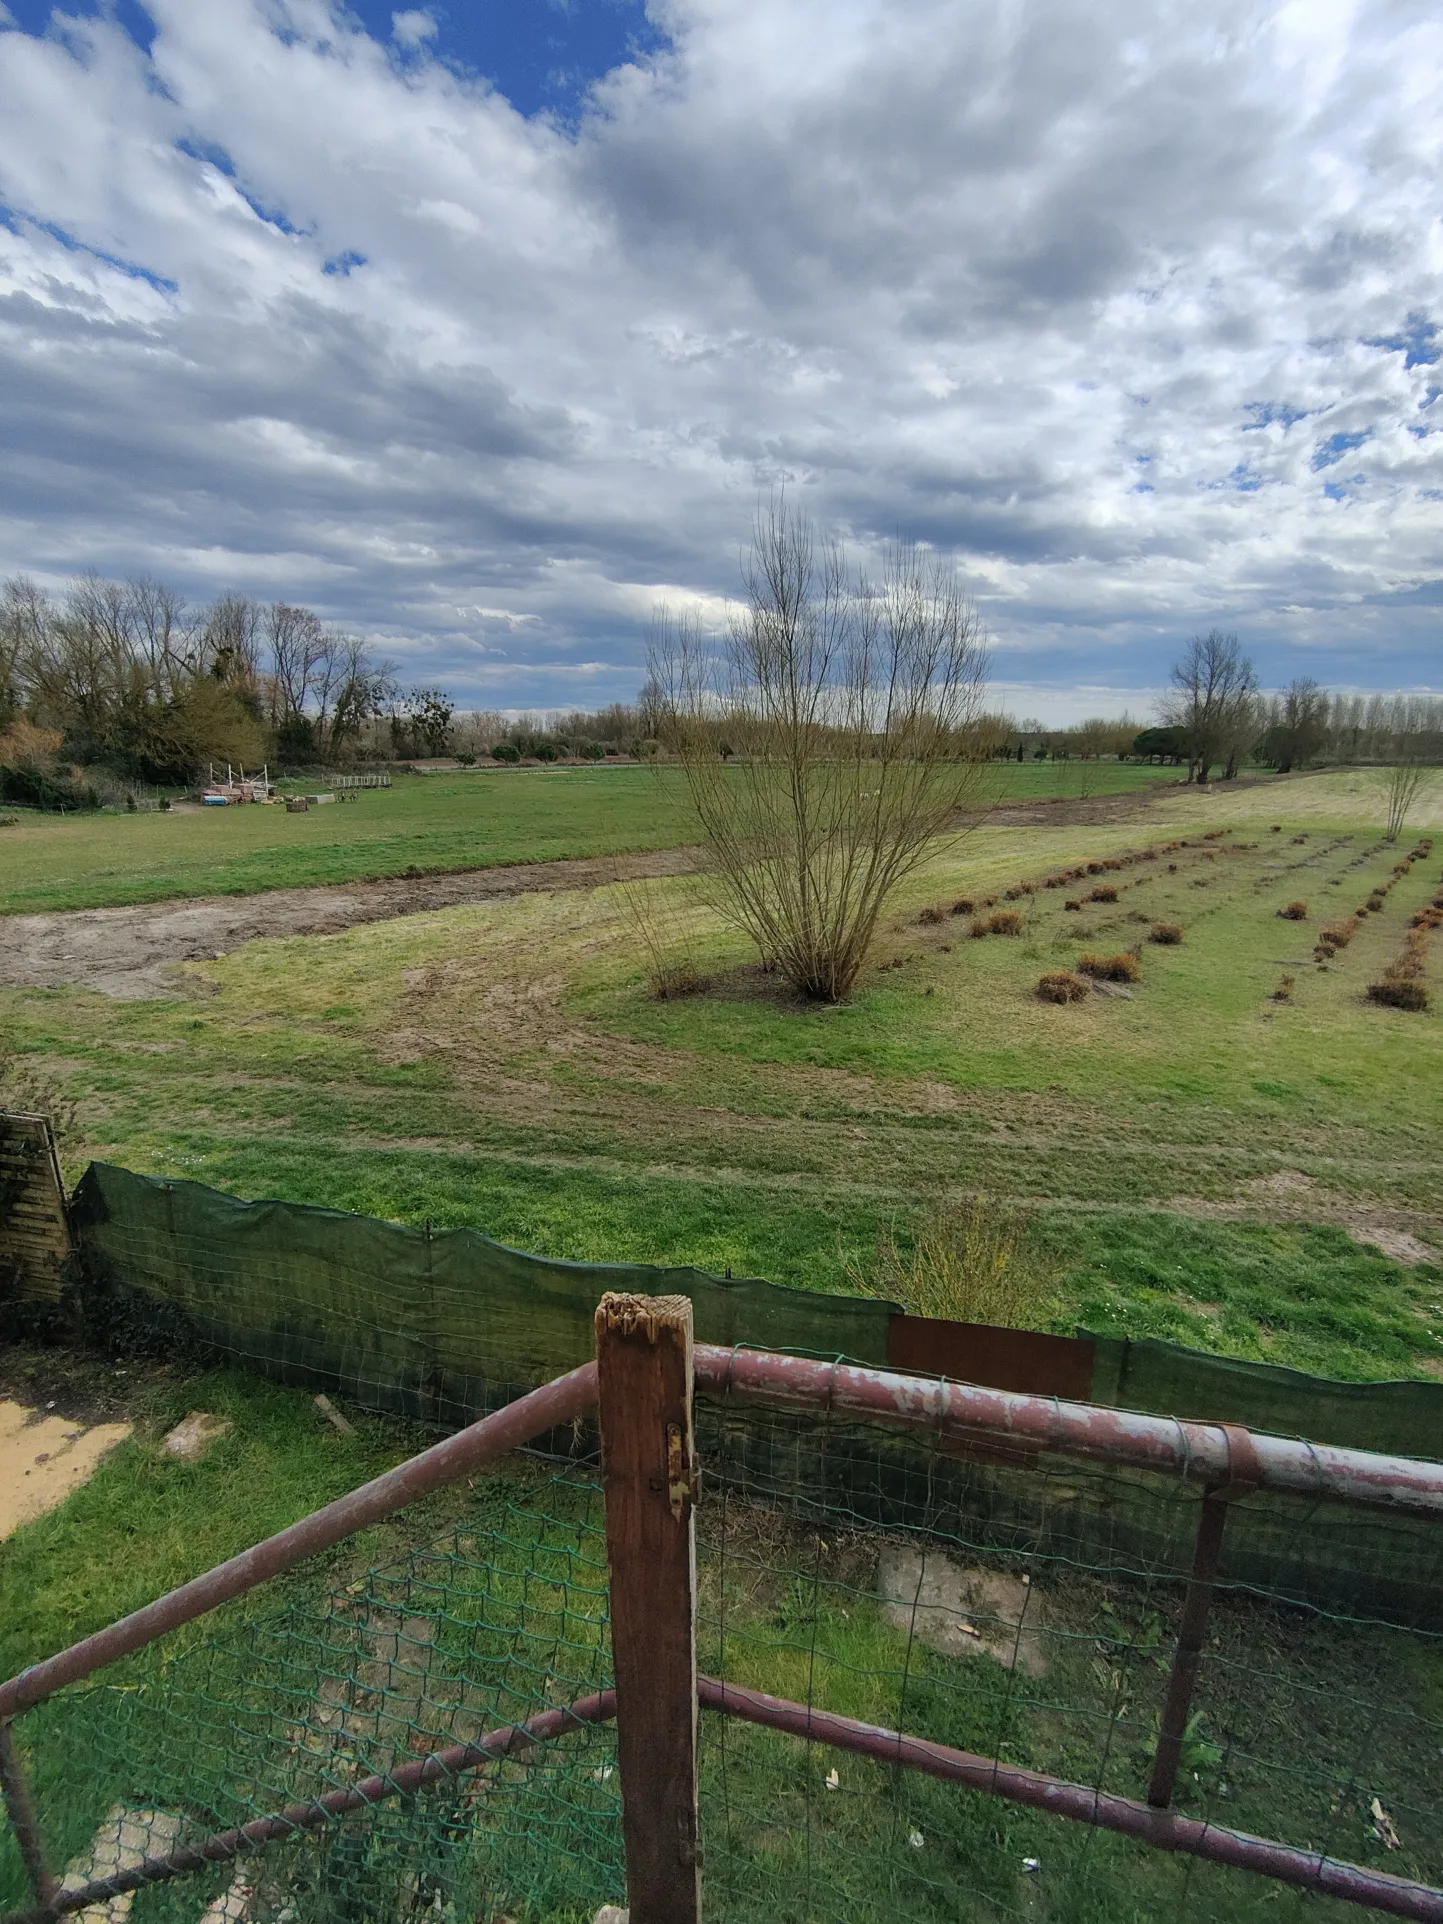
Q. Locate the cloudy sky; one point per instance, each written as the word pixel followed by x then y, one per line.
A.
pixel 483 328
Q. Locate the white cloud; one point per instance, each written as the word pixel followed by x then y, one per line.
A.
pixel 1094 296
pixel 413 27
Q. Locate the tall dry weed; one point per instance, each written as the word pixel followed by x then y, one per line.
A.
pixel 970 1261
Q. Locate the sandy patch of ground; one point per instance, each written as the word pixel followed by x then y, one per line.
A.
pixel 43 1458
pixel 961 1612
pixel 125 1839
pixel 1396 1243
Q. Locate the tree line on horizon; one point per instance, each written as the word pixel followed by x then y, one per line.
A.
pixel 123 681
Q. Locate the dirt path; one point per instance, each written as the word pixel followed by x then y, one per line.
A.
pixel 130 952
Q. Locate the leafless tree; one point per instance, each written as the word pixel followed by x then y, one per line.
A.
pixel 231 642
pixel 296 643
pixel 1214 702
pixel 1401 783
pixel 827 742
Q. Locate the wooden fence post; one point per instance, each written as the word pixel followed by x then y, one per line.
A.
pixel 644 1369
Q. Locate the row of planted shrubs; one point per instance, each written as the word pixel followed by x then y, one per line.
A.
pixel 1401 985
pixel 1063 878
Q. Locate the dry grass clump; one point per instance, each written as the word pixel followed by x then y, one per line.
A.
pixel 1336 935
pixel 1294 912
pixel 1167 934
pixel 1111 968
pixel 1429 918
pixel 964 905
pixel 1298 840
pixel 930 917
pixel 1276 829
pixel 1376 901
pixel 1284 991
pixel 1074 904
pixel 969 1261
pixel 1002 922
pixel 1104 892
pixel 1401 985
pixel 1401 993
pixel 1061 985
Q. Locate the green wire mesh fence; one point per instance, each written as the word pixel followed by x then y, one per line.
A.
pixel 897 1580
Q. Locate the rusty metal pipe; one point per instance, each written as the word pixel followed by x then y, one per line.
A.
pixel 520 1422
pixel 219 1848
pixel 1309 1870
pixel 956 1412
pixel 23 1820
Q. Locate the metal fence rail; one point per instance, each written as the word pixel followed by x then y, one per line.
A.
pixel 644 1383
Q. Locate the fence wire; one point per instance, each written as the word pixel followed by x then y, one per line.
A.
pixel 957 1598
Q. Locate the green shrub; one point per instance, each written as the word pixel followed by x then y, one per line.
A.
pixel 35 788
pixel 506 752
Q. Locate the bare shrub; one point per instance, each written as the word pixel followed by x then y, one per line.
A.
pixel 1167 934
pixel 1111 968
pixel 969 1261
pixel 1400 790
pixel 1000 922
pixel 1061 985
pixel 1294 912
pixel 659 922
pixel 852 717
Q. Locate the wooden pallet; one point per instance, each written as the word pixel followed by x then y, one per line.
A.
pixel 35 1242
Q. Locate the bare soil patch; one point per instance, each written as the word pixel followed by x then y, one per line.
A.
pixel 43 1457
pixel 131 953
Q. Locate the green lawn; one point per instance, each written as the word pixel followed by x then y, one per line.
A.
pixel 1202 1162
pixel 424 823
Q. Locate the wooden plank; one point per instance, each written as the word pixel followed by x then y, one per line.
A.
pixel 644 1367
pixel 34 1222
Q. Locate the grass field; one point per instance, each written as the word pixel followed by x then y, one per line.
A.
pixel 423 824
pixel 1203 1162
pixel 1200 1161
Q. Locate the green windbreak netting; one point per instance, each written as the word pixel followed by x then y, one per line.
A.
pixel 437 1324
pixel 1399 1419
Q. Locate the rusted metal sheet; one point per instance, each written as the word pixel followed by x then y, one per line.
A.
pixel 1026 1360
pixel 952 1412
pixel 404 1781
pixel 520 1422
pixel 35 1244
pixel 1309 1870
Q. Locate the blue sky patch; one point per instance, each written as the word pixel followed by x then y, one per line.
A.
pixel 1266 413
pixel 1336 446
pixel 1417 341
pixel 343 263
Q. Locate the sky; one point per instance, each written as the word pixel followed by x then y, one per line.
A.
pixel 484 329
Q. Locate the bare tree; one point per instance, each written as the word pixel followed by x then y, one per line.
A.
pixel 1214 702
pixel 1401 783
pixel 296 642
pixel 826 742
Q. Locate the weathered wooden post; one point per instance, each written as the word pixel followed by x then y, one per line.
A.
pixel 644 1368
